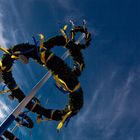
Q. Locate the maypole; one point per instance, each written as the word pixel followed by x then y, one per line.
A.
pixel 8 121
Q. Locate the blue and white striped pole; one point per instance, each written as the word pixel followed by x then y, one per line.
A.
pixel 8 121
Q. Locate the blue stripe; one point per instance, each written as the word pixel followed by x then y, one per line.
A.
pixel 4 126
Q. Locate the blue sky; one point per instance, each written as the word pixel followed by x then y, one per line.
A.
pixel 111 79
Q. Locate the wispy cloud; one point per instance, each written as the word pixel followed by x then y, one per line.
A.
pixel 3 40
pixel 101 115
pixel 4 110
pixel 19 21
pixel 13 31
pixel 117 107
pixel 16 30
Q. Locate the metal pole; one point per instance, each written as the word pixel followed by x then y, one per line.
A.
pixel 8 121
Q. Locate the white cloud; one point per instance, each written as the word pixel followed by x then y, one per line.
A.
pixel 69 7
pixel 4 107
pixel 3 40
pixel 4 110
pixel 104 116
pixel 117 107
pixel 20 22
pixel 83 117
